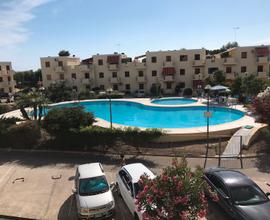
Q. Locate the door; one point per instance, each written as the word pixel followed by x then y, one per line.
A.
pixel 126 189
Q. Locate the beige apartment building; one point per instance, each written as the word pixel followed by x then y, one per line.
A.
pixel 186 68
pixel 7 83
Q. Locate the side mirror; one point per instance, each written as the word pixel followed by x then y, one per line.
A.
pixel 268 194
pixel 112 185
pixel 74 191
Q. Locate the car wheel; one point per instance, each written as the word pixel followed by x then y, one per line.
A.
pixel 136 216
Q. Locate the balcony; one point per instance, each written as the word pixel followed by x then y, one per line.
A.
pixel 4 72
pixel 198 76
pixel 115 80
pixel 140 65
pixel 229 61
pixel 86 81
pixel 84 68
pixel 167 64
pixel 263 75
pixel 262 60
pixel 141 79
pixel 230 76
pixel 112 67
pixel 168 78
pixel 59 69
pixel 198 63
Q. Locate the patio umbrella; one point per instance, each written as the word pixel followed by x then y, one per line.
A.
pixel 218 88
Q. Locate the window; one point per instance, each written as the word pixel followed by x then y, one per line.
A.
pixel 127 74
pixel 115 87
pixel 168 58
pixel 197 57
pixel 1 79
pixel 9 79
pixel 87 87
pixel 49 77
pixel 154 73
pixel 197 71
pixel 47 64
pixel 168 85
pixel 7 68
pixel 243 69
pixel 75 88
pixel 10 89
pixel 127 86
pixel 100 62
pixel 86 75
pixel 101 75
pixel 141 86
pixel 140 73
pixel 183 58
pixel 228 69
pixel 0 68
pixel 114 74
pixel 60 63
pixel 182 85
pixel 62 76
pixel 218 184
pixel 101 87
pixel 212 70
pixel 260 68
pixel 243 55
pixel 182 71
pixel 73 75
pixel 153 59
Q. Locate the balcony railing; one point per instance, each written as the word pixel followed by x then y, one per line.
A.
pixel 141 79
pixel 229 61
pixel 262 60
pixel 84 67
pixel 230 76
pixel 115 80
pixel 168 64
pixel 59 69
pixel 168 78
pixel 198 62
pixel 263 75
pixel 112 67
pixel 198 76
pixel 140 65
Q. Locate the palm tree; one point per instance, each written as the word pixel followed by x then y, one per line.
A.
pixel 35 100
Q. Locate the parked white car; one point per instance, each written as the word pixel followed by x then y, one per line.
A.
pixel 94 197
pixel 128 187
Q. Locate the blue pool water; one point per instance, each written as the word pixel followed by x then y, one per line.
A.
pixel 173 101
pixel 135 114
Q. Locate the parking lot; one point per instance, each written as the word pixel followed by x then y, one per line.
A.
pixel 39 185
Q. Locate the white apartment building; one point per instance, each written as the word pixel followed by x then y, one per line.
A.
pixel 187 68
pixel 7 83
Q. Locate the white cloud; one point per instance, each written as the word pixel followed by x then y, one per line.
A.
pixel 13 16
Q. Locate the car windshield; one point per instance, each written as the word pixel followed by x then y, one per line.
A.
pixel 248 195
pixel 93 186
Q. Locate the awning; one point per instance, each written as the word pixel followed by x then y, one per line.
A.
pixel 262 51
pixel 218 88
pixel 113 59
pixel 168 70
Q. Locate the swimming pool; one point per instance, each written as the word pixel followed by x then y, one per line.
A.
pixel 135 114
pixel 173 101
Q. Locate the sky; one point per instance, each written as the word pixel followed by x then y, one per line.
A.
pixel 30 29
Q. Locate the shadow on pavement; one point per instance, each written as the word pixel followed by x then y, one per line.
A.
pixel 39 159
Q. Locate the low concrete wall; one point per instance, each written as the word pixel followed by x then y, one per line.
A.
pixel 168 138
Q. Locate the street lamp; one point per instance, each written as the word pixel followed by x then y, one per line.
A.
pixel 109 92
pixel 207 114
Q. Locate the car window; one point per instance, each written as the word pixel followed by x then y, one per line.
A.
pixel 248 195
pixel 218 184
pixel 127 181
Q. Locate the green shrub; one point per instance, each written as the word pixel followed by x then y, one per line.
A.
pixel 5 123
pixel 86 95
pixel 112 96
pixel 63 120
pixel 23 135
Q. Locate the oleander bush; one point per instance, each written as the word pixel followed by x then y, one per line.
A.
pixel 177 194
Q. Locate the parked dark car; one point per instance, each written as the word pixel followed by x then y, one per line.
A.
pixel 238 195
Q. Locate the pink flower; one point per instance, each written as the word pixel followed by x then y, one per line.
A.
pixel 202 213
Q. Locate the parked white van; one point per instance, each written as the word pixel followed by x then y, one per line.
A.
pixel 94 197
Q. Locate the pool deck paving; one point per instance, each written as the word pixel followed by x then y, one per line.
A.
pixel 39 196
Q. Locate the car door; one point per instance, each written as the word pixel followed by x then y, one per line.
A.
pixel 126 189
pixel 76 185
pixel 224 197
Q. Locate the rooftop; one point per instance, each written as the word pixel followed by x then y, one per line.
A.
pixel 136 170
pixel 90 170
